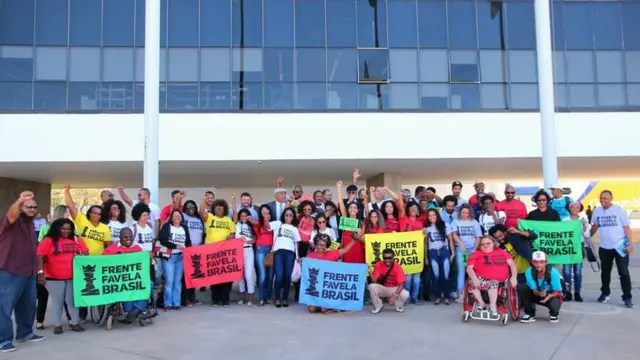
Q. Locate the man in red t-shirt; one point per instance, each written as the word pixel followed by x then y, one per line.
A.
pixel 488 267
pixel 176 203
pixel 512 207
pixel 388 280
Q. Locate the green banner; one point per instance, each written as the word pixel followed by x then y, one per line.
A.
pixel 560 240
pixel 107 279
pixel 349 224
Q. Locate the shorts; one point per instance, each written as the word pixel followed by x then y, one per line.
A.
pixel 486 284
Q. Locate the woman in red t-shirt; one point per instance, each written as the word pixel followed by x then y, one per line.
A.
pixel 487 267
pixel 356 253
pixel 305 226
pixel 392 211
pixel 264 242
pixel 55 270
pixel 374 223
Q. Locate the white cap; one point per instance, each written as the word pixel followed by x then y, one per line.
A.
pixel 539 256
pixel 555 186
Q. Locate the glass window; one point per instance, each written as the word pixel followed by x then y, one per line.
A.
pixel 559 67
pixel 84 96
pixel 342 96
pixel 580 67
pixel 117 22
pixel 432 24
pixel 341 23
pixel 51 22
pixel 51 63
pixel 15 96
pixel 434 66
pixel 183 65
pixel 117 64
pixel 631 25
pixel 183 22
pixel 522 66
pixel 557 14
pixel 248 97
pixel 404 65
pixel 16 63
pixel 373 65
pixel 524 96
pixel 582 96
pixel 493 67
pixel 215 96
pixel 215 22
pixel 140 64
pixel 251 18
pixel 311 96
pixel 278 23
pixel 434 97
pixel 494 96
pixel 491 25
pixel 465 96
pixel 342 65
pixel 278 96
pixel 16 23
pixel 372 23
pixel 182 96
pixel 632 59
pixel 278 65
pixel 248 63
pixel 520 29
pixel 403 26
pixel 609 66
pixel 561 96
pixel 611 96
pixel 84 25
pixel 373 97
pixel 462 25
pixel 49 96
pixel 116 96
pixel 633 95
pixel 311 65
pixel 606 26
pixel 464 67
pixel 84 64
pixel 309 23
pixel 578 26
pixel 215 65
pixel 404 96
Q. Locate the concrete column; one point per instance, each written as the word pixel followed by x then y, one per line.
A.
pixel 389 179
pixel 10 190
pixel 151 97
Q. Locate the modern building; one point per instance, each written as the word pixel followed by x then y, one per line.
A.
pixel 409 91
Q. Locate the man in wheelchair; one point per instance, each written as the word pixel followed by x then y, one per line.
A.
pixel 487 267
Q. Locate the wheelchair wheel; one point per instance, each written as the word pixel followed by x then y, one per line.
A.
pixel 98 314
pixel 109 322
pixel 513 303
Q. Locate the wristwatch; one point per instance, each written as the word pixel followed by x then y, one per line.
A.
pixel 40 272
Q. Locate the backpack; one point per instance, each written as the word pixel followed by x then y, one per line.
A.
pixel 547 278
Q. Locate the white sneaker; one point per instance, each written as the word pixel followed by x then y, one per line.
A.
pixel 250 303
pixel 400 309
pixel 528 319
pixel 240 302
pixel 554 319
pixel 376 310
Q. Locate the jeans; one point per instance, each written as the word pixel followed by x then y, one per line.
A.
pixel 61 292
pixel 412 285
pixel 139 304
pixel 17 295
pixel 265 274
pixel 576 271
pixel 462 271
pixel 607 257
pixel 440 268
pixel 172 269
pixel 283 261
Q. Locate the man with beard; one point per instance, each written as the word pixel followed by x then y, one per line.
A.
pixel 517 244
pixel 512 207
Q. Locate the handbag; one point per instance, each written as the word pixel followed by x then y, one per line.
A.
pixel 591 255
pixel 296 273
pixel 268 260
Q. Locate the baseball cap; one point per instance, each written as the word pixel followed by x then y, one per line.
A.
pixel 478 182
pixel 538 256
pixel 555 186
pixel 456 183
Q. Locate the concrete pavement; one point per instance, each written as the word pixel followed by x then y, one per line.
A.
pixel 585 331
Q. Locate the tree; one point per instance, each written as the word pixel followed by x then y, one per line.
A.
pixel 82 197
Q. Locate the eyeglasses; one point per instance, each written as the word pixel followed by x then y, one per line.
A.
pixel 387 258
pixel 509 192
pixel 541 200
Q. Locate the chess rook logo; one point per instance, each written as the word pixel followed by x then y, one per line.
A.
pixel 89 272
pixel 375 246
pixel 313 282
pixel 84 232
pixel 196 261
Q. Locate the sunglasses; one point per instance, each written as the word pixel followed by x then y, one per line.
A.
pixel 387 258
pixel 541 200
pixel 509 192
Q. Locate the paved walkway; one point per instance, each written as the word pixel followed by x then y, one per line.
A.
pixel 585 331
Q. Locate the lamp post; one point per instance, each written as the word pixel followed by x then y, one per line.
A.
pixel 151 172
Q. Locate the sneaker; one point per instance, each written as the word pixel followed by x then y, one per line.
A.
pixel 7 346
pixel 446 302
pixel 376 310
pixel 249 303
pixel 568 297
pixel 240 302
pixel 32 337
pixel 577 297
pixel 437 301
pixel 553 319
pixel 603 298
pixel 628 304
pixel 400 309
pixel 528 319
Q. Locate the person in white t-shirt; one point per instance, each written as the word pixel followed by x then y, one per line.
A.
pixel 615 244
pixel 144 235
pixel 574 271
pixel 285 248
pixel 490 216
pixel 322 227
pixel 114 215
pixel 246 232
pixel 144 196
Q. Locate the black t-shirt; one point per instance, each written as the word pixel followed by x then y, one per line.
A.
pixel 547 215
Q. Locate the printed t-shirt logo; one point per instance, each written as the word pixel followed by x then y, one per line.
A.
pixel 608 221
pixel 219 224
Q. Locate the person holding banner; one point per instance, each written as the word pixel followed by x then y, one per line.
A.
pixel 356 254
pixel 387 281
pixel 174 237
pixel 322 227
pixel 246 232
pixel 438 248
pixel 55 270
pixel 195 225
pixel 285 249
pixel 543 212
pixel 465 232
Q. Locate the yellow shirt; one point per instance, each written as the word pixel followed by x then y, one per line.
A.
pixel 521 263
pixel 93 236
pixel 218 229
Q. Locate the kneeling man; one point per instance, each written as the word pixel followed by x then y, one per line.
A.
pixel 388 280
pixel 544 287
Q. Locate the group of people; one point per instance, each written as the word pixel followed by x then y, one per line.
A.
pixel 289 228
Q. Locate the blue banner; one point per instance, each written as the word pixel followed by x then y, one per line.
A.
pixel 333 285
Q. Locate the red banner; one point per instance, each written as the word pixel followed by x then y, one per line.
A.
pixel 216 263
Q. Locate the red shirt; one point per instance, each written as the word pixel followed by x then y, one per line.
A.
pixel 356 254
pixel 490 266
pixel 18 243
pixel 423 218
pixel 391 225
pixel 117 249
pixel 305 228
pixel 406 223
pixel 166 212
pixel 375 230
pixel 60 266
pixel 329 255
pixel 396 276
pixel 515 210
pixel 264 236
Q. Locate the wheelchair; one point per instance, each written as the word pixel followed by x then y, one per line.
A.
pixel 508 304
pixel 106 314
